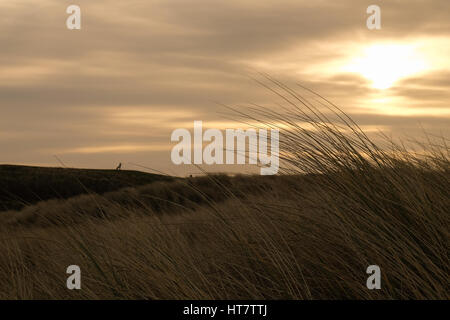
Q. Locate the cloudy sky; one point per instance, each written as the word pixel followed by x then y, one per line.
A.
pixel 138 69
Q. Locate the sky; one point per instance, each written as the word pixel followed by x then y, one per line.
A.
pixel 138 69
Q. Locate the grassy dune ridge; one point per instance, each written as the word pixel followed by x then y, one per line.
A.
pixel 26 185
pixel 342 203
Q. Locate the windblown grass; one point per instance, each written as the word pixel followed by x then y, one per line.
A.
pixel 343 203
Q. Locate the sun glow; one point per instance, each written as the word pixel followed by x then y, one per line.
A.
pixel 384 65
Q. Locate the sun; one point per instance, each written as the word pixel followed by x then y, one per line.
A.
pixel 385 64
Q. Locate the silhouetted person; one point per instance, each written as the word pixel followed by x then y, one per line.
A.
pixel 119 166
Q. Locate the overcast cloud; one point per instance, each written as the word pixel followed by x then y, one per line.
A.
pixel 114 90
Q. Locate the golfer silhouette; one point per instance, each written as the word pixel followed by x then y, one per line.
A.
pixel 119 166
